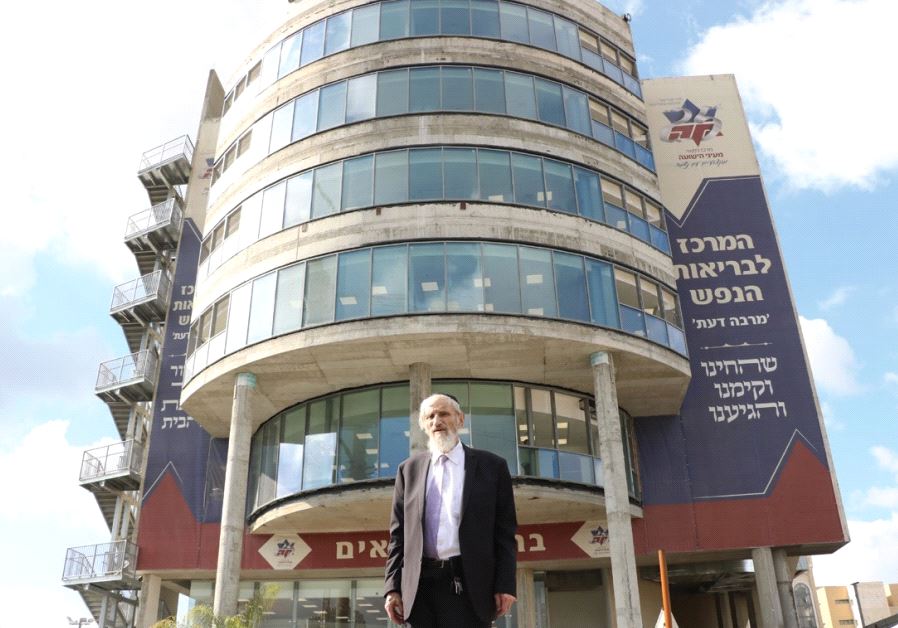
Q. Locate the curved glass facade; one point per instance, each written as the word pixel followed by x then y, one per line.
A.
pixel 364 435
pixel 416 175
pixel 435 277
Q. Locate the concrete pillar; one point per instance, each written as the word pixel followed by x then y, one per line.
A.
pixel 104 611
pixel 230 541
pixel 768 595
pixel 784 574
pixel 150 588
pixel 617 501
pixel 418 391
pixel 525 607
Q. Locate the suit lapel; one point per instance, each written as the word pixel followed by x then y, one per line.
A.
pixel 470 472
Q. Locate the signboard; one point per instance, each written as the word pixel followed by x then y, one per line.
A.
pixel 751 404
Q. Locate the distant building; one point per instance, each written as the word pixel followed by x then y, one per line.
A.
pixel 481 198
pixel 858 604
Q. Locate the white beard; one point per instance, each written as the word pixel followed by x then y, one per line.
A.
pixel 442 442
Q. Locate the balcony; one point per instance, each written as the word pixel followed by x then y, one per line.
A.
pixel 166 166
pixel 115 467
pixel 139 302
pixel 131 378
pixel 108 566
pixel 155 229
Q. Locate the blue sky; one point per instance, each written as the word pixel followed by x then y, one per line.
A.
pixel 97 85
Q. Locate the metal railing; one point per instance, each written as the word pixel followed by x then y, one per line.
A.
pixel 113 459
pixel 150 286
pixel 106 561
pixel 140 365
pixel 166 152
pixel 159 215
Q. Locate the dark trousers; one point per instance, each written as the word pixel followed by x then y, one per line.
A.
pixel 437 606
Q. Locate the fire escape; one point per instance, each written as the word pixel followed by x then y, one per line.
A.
pixel 105 574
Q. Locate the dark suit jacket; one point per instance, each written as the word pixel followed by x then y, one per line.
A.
pixel 486 532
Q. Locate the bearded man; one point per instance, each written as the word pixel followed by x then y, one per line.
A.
pixel 452 553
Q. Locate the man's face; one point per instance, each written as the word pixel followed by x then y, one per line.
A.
pixel 441 422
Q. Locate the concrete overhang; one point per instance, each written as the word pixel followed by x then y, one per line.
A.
pixel 366 506
pixel 651 379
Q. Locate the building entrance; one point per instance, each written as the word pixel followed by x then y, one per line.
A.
pixel 571 599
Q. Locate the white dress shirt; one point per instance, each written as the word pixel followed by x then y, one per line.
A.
pixel 450 514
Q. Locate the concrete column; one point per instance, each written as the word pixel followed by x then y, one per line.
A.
pixel 230 541
pixel 150 588
pixel 617 501
pixel 784 574
pixel 768 595
pixel 418 391
pixel 525 607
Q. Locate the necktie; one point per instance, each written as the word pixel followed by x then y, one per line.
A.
pixel 434 506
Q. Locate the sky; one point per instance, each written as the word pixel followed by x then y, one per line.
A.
pixel 90 86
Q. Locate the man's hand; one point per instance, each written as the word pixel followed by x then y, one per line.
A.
pixel 503 603
pixel 393 606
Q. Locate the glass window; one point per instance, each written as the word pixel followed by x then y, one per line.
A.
pixel 298 203
pixel 270 434
pixel 485 18
pixel 233 223
pixel 599 113
pixel 537 282
pixel 501 292
pixel 425 174
pixel 619 123
pixel 520 412
pixel 566 38
pixel 631 317
pixel 560 186
pixel 358 436
pixel 671 312
pixel 281 127
pixel 324 601
pixel 288 306
pixel 425 18
pixel 290 454
pixel 463 277
pixel 492 421
pixel 238 318
pixel 388 280
pixel 494 169
pixel 627 64
pixel 528 180
pixel 320 289
pixel 549 101
pixel 312 43
pixel 543 433
pixel 353 284
pixel 651 303
pixel 305 115
pixel 272 209
pixel 361 97
pixel 589 41
pixel 205 327
pixel 576 111
pixel 394 19
pixel 653 213
pixel 602 297
pixel 290 50
pixel 542 30
pixel 633 202
pixel 612 193
pixel 424 89
pixel 426 278
pixel 220 316
pixel 454 17
pixel 321 445
pixel 337 34
pixel 520 100
pixel 570 282
pixel 326 190
pixel 639 134
pixel 571 423
pixel 332 105
pixel 391 177
pixel 489 91
pixel 460 173
pixel 394 428
pixel 358 182
pixel 261 311
pixel 589 195
pixel 365 24
pixel 458 89
pixel 513 20
pixel 392 92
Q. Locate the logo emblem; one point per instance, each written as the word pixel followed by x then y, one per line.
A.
pixel 592 537
pixel 691 122
pixel 284 551
pixel 285 548
pixel 599 535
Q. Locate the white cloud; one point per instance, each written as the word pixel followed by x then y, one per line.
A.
pixel 808 71
pixel 871 555
pixel 886 459
pixel 832 359
pixel 45 512
pixel 890 378
pixel 836 298
pixel 829 417
pixel 882 497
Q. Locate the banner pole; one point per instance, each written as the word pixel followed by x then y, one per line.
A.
pixel 665 589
